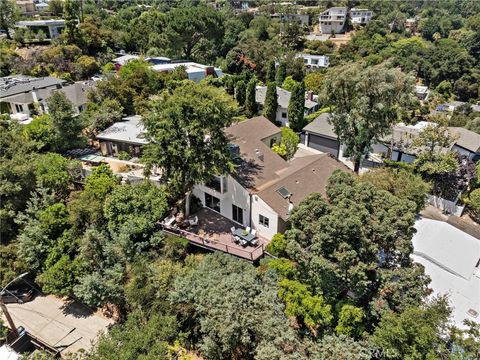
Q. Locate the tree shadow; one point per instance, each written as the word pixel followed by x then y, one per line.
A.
pixel 76 309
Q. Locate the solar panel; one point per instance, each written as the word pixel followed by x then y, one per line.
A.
pixel 284 192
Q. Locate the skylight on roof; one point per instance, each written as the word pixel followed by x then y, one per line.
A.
pixel 284 192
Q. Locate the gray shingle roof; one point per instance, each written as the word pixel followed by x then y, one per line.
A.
pixel 130 130
pixel 321 126
pixel 17 84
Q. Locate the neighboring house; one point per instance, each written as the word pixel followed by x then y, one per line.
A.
pixel 126 135
pixel 301 18
pixel 451 258
pixel 41 6
pixel 13 88
pixel 51 28
pixel 195 71
pixel 320 135
pixel 125 58
pixel 361 16
pixel 265 187
pixel 453 105
pixel 33 100
pixel 283 99
pixel 333 20
pixel 422 92
pixel 25 7
pixel 314 61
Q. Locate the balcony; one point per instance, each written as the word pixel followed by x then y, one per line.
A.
pixel 213 233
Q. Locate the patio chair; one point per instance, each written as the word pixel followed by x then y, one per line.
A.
pixel 193 221
pixel 254 242
pixel 247 229
pixel 232 229
pixel 243 242
pixel 254 232
pixel 236 239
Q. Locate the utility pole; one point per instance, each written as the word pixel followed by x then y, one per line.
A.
pixel 9 318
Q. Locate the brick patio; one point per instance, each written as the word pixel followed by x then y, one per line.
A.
pixel 213 233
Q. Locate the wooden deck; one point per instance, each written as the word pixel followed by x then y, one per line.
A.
pixel 213 233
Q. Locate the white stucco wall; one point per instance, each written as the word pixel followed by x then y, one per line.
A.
pixel 259 207
pixel 235 195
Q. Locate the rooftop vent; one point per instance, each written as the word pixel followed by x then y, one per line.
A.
pixel 284 192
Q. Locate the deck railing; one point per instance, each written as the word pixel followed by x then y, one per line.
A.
pixel 252 255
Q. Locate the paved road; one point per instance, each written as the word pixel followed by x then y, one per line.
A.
pixel 58 323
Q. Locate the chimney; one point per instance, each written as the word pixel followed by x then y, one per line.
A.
pixel 310 95
pixel 34 95
pixel 290 205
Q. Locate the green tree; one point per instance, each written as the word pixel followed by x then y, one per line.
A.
pixel 270 75
pixel 71 16
pixel 296 108
pixel 251 106
pixel 8 15
pixel 277 245
pixel 257 325
pixel 314 81
pixel 66 125
pixel 350 321
pixel 336 245
pixel 240 92
pixel 55 7
pixel 138 338
pixel 367 102
pixel 188 27
pixel 85 208
pixel 402 183
pixel 289 84
pixel 271 103
pixel 185 129
pixel 416 333
pixel 100 116
pixel 288 144
pixel 56 172
pixel 61 278
pixel 281 73
pixel 41 132
pixel 311 310
pixel 132 212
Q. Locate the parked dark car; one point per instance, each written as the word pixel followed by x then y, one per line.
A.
pixel 17 295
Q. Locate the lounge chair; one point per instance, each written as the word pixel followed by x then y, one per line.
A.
pixel 193 221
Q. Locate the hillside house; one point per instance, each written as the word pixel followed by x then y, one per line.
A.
pixel 283 99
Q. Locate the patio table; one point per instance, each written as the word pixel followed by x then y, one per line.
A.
pixel 248 237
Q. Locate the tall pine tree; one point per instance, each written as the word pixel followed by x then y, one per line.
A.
pixel 250 103
pixel 281 73
pixel 296 108
pixel 270 76
pixel 271 102
pixel 240 90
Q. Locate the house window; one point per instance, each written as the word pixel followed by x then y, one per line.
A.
pixel 284 115
pixel 212 202
pixel 314 61
pixel 263 220
pixel 237 214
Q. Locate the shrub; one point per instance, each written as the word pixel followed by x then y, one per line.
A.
pixel 277 245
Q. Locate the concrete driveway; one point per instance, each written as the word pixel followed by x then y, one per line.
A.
pixel 68 326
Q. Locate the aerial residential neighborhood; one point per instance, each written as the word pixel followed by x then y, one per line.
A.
pixel 224 179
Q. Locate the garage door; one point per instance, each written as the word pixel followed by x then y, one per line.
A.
pixel 323 144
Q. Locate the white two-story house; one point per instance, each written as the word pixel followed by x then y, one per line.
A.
pixel 283 100
pixel 264 188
